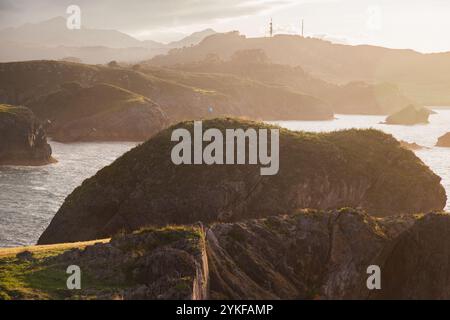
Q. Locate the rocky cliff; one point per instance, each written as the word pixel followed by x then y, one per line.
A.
pixel 310 254
pixel 414 264
pixel 353 168
pixel 306 255
pixel 23 139
pixel 100 112
pixel 325 255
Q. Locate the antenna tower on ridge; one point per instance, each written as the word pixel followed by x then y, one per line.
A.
pixel 271 28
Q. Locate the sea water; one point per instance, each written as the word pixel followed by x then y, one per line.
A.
pixel 30 196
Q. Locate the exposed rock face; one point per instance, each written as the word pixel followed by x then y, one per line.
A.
pixel 410 115
pixel 100 112
pixel 309 254
pixel 414 265
pixel 353 168
pixel 325 255
pixel 23 139
pixel 444 141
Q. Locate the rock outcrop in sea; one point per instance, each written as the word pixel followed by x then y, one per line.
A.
pixel 23 139
pixel 353 168
pixel 410 115
pixel 444 141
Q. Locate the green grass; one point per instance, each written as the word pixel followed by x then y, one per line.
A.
pixel 38 280
pixel 43 279
pixel 31 279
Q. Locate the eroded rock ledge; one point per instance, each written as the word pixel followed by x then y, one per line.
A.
pixel 325 255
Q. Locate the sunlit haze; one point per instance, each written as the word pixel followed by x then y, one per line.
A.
pixel 416 24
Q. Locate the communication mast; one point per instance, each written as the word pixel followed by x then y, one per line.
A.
pixel 303 28
pixel 271 28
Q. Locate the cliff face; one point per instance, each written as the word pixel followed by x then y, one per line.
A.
pixel 100 112
pixel 354 168
pixel 414 265
pixel 23 139
pixel 309 254
pixel 325 255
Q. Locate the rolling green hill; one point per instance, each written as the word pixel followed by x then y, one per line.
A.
pixel 26 82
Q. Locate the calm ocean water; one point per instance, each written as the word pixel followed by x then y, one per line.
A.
pixel 30 196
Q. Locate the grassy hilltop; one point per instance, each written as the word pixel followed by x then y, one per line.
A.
pixel 351 168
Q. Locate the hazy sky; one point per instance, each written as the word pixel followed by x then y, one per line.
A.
pixel 423 25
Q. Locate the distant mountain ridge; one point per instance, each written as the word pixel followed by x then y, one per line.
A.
pixel 54 32
pixel 51 39
pixel 193 39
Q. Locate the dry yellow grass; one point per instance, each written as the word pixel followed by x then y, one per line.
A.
pixel 5 252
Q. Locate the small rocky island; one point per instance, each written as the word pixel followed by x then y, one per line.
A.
pixel 23 139
pixel 444 141
pixel 351 168
pixel 410 115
